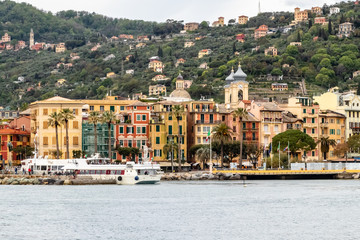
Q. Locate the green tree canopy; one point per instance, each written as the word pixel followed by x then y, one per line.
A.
pixel 298 141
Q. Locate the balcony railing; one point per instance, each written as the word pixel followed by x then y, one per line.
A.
pixel 207 122
pixel 157 121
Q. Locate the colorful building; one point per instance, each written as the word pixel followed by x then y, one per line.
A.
pixel 301 16
pixel 10 139
pixel 261 32
pixel 192 26
pixel 243 20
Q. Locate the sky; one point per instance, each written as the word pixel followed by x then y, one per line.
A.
pixel 187 10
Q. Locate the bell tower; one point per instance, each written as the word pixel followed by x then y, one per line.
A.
pixel 32 41
pixel 237 88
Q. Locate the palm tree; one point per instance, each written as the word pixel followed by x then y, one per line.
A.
pixel 54 121
pixel 178 111
pixel 325 143
pixel 108 118
pixel 203 154
pixel 94 118
pixel 171 147
pixel 241 113
pixel 222 133
pixel 67 115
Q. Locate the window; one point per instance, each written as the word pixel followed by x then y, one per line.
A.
pixel 75 140
pixel 349 114
pixel 45 141
pixel 45 125
pixel 304 110
pixel 338 132
pixel 331 120
pixel 180 129
pixel 244 125
pixel 138 130
pixel 170 117
pixel 266 128
pixel 138 143
pixel 244 136
pixel 75 124
pixel 313 120
pixel 144 117
pixel 313 111
pixel 157 128
pixel 276 128
pixel 157 140
pixel 234 129
pixel 75 111
pixel 223 118
pixel 144 130
pixel 253 136
pixel 122 108
pixel 130 130
pixel 253 125
pixel 138 117
pixel 130 143
pixel 121 142
pixel 199 129
pixel 102 108
pixel 121 130
pixel 170 129
pixel 304 120
pixel 206 129
pixel 91 108
pixel 198 140
pixel 313 130
pixel 45 111
pixel 135 107
pixel 332 131
pixel 304 130
pixel 313 153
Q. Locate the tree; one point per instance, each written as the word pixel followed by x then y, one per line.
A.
pixel 55 121
pixel 240 113
pixel 341 150
pixel 296 139
pixel 203 154
pixel 160 52
pixel 66 115
pixel 108 117
pixel 231 149
pixel 310 23
pixel 325 143
pixel 94 119
pixel 178 112
pixel 276 72
pixel 171 148
pixel 222 133
pixel 128 152
pixel 292 50
pixel 253 152
pixel 330 27
pixel 298 38
pixel 354 142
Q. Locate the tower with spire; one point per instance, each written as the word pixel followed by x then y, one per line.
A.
pixel 32 41
pixel 259 7
pixel 236 88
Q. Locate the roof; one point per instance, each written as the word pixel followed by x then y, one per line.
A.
pixel 329 113
pixel 58 100
pixel 9 131
pixel 240 75
pixel 180 93
pixel 269 106
pixel 139 103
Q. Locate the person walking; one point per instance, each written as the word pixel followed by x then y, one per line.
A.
pixel 15 170
pixel 29 171
pixel 23 170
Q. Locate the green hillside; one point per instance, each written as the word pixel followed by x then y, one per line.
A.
pixel 329 61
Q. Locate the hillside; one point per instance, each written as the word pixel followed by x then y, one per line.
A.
pixel 324 63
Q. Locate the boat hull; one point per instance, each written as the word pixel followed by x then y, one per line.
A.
pixel 133 180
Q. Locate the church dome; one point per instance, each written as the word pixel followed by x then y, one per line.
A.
pixel 180 77
pixel 180 93
pixel 240 75
pixel 230 78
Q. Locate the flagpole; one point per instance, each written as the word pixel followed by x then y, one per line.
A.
pixel 210 156
pixel 289 155
pixel 279 155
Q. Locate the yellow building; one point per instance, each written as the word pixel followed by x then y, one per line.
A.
pixel 157 90
pixel 300 15
pixel 316 10
pixel 45 135
pixel 156 66
pixel 271 51
pixel 332 125
pixel 60 48
pixel 164 129
pixel 204 52
pixel 110 103
pixel 221 21
pixel 243 19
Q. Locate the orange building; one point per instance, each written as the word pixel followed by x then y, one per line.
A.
pixel 14 138
pixel 301 15
pixel 261 31
pixel 243 19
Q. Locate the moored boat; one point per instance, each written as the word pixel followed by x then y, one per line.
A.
pixel 146 173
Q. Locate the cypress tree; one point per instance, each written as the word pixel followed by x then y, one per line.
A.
pixel 330 27
pixel 310 23
pixel 298 37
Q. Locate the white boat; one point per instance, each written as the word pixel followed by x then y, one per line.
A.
pixel 146 173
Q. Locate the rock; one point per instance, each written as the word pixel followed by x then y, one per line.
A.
pixel 14 182
pixel 194 177
pixel 24 181
pixel 36 182
pixel 59 182
pixel 4 181
pixel 9 181
pixel 67 182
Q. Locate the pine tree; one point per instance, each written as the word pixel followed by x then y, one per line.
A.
pixel 330 27
pixel 310 23
pixel 160 52
pixel 234 47
pixel 298 37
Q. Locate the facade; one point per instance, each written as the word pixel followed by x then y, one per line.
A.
pixel 189 44
pixel 6 38
pixel 133 131
pixel 192 26
pixel 159 78
pixel 345 29
pixel 157 90
pixel 321 20
pixel 21 123
pixel 334 10
pixel 240 37
pixel 88 139
pixel 60 48
pixel 45 136
pixel 279 87
pixel 243 20
pixel 317 11
pixel 14 138
pixel 32 39
pixel 295 44
pixel 300 16
pixel 6 114
pixel 156 66
pixel 356 74
pixel 272 51
pixel 261 31
pixel 204 52
pixel 110 103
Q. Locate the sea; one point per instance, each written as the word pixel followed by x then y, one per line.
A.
pixel 283 209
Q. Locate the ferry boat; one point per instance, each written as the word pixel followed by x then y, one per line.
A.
pixel 146 173
pixel 96 167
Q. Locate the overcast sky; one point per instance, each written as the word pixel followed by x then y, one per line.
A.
pixel 187 10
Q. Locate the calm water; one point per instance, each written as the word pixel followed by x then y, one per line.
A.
pixel 183 210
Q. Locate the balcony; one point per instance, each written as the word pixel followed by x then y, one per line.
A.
pixel 324 125
pixel 207 122
pixel 157 121
pixel 267 133
pixel 251 129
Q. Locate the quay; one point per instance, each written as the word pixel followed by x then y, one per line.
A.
pixel 292 174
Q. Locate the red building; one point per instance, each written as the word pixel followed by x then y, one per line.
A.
pixel 240 37
pixel 133 130
pixel 16 138
pixel 261 31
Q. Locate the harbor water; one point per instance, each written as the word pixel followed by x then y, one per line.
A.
pixel 313 209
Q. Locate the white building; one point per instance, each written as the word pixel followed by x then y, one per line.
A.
pixel 334 10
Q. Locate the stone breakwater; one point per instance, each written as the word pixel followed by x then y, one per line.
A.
pixel 197 176
pixel 34 180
